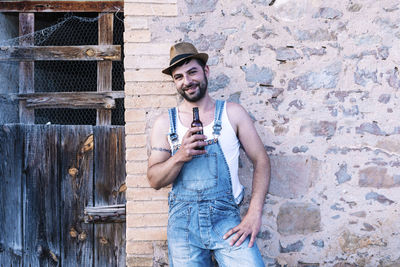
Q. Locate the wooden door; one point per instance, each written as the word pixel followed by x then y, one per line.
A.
pixel 48 176
pixel 51 174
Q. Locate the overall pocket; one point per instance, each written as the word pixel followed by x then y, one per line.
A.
pixel 200 173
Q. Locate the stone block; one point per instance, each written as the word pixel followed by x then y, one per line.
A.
pixel 147 49
pixel 151 101
pixel 137 180
pixel 137 36
pixel 371 128
pixel 328 13
pixel 219 82
pixel 146 61
pixel 292 176
pixel 362 76
pixel 327 78
pixel 315 35
pixel 146 220
pixel 324 128
pixel 301 149
pixel 150 9
pixel 154 206
pixel 384 98
pixel 351 243
pixel 146 234
pixel 378 197
pixel 135 127
pixel 394 78
pixel 298 218
pixel 146 75
pixel 286 53
pixel 135 140
pixel 214 42
pixel 140 247
pixel 200 6
pixel 136 167
pixel 136 154
pixel 151 88
pixel 318 243
pixel 147 194
pixel 342 175
pixel 295 247
pixel 391 144
pixel 134 115
pixel 139 261
pixel 136 23
pixel 256 74
pixel 377 177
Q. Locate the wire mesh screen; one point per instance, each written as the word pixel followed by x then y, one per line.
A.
pixel 60 29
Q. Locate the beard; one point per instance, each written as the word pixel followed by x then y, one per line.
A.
pixel 203 85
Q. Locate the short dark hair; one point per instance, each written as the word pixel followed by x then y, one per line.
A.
pixel 183 62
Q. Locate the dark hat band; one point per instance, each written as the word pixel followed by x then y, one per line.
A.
pixel 178 57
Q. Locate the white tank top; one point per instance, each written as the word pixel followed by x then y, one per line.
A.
pixel 230 147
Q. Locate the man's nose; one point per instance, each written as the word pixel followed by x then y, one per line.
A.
pixel 187 79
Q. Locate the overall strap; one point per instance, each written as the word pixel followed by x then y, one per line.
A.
pixel 219 107
pixel 173 136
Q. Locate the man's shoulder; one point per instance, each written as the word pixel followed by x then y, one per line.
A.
pixel 162 118
pixel 161 121
pixel 234 108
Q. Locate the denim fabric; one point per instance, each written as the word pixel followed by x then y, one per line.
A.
pixel 201 210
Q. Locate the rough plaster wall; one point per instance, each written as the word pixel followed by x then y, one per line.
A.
pixel 8 73
pixel 320 79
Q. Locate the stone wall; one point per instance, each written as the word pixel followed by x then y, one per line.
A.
pixel 321 81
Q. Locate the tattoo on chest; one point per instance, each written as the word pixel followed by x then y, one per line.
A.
pixel 161 149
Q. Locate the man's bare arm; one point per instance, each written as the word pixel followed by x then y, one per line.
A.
pixel 254 148
pixel 163 168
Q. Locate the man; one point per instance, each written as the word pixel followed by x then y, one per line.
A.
pixel 204 216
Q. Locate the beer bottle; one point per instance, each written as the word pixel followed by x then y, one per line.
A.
pixel 197 123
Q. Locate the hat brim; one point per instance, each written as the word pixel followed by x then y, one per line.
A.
pixel 201 56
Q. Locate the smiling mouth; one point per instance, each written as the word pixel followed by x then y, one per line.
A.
pixel 191 89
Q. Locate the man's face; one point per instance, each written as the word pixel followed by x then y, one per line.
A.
pixel 191 80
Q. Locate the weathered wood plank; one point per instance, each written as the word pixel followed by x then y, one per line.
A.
pixel 109 190
pixel 67 53
pixel 75 100
pixel 41 220
pixel 10 195
pixel 76 193
pixel 61 6
pixel 104 69
pixel 26 69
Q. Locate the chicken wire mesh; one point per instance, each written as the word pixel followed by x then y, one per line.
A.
pixel 69 29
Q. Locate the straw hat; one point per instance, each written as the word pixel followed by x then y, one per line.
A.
pixel 182 51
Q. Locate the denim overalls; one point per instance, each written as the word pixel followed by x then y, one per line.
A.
pixel 202 209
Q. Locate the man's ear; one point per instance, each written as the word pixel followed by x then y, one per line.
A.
pixel 206 70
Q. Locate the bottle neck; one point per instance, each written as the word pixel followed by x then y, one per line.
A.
pixel 196 114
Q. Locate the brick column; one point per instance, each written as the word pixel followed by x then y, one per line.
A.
pixel 147 93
